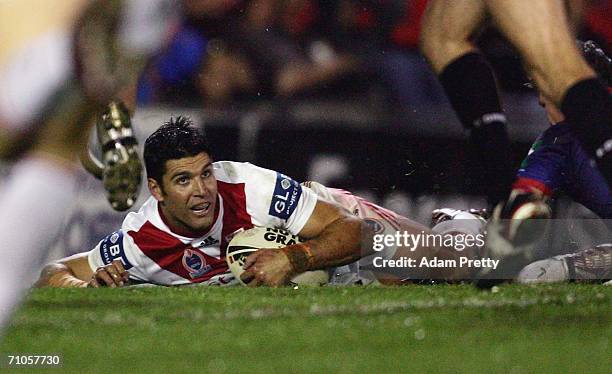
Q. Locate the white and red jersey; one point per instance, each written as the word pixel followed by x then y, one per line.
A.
pixel 377 216
pixel 247 196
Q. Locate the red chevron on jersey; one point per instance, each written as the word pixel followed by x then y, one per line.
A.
pixel 235 215
pixel 173 255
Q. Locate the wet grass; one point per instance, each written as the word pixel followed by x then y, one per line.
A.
pixel 355 329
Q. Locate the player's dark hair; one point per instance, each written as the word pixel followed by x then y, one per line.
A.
pixel 597 59
pixel 175 139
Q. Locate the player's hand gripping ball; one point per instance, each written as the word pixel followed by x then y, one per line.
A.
pixel 246 242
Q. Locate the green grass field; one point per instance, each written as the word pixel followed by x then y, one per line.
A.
pixel 518 329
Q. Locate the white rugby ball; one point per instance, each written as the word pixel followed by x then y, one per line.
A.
pixel 246 242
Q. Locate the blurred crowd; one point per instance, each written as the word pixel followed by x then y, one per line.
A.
pixel 227 51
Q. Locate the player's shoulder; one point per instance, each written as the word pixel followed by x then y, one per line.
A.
pixel 238 172
pixel 148 212
pixel 230 171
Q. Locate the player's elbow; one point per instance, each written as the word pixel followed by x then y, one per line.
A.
pixel 48 272
pixel 356 232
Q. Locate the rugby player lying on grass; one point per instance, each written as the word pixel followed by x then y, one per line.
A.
pixel 180 234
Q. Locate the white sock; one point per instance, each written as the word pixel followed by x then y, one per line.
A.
pixel 34 203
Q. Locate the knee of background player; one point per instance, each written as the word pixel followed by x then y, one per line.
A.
pixel 554 79
pixel 446 30
pixel 541 33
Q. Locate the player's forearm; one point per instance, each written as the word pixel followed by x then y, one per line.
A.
pixel 338 244
pixel 60 276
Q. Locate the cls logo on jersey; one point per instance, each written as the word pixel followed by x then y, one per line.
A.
pixel 195 263
pixel 286 195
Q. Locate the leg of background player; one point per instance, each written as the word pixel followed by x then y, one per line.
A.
pixel 470 85
pixel 539 30
pixel 447 28
pixel 36 197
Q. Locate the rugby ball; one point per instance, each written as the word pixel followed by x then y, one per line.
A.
pixel 246 242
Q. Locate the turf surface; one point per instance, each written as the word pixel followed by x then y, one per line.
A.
pixel 518 329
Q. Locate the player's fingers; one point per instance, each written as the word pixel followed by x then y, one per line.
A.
pixel 103 275
pixel 254 283
pixel 121 270
pixel 275 282
pixel 250 260
pixel 256 277
pixel 261 278
pixel 93 283
pixel 114 274
pixel 122 273
pixel 247 276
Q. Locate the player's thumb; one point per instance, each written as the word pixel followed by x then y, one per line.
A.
pixel 250 261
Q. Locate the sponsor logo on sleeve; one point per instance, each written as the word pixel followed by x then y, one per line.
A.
pixel 286 196
pixel 111 248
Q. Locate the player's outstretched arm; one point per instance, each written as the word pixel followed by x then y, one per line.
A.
pixel 334 236
pixel 75 272
pixel 334 239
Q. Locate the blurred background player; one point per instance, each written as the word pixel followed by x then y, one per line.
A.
pixel 470 85
pixel 540 32
pixel 59 67
pixel 557 161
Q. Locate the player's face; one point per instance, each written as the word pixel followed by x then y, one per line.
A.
pixel 188 195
